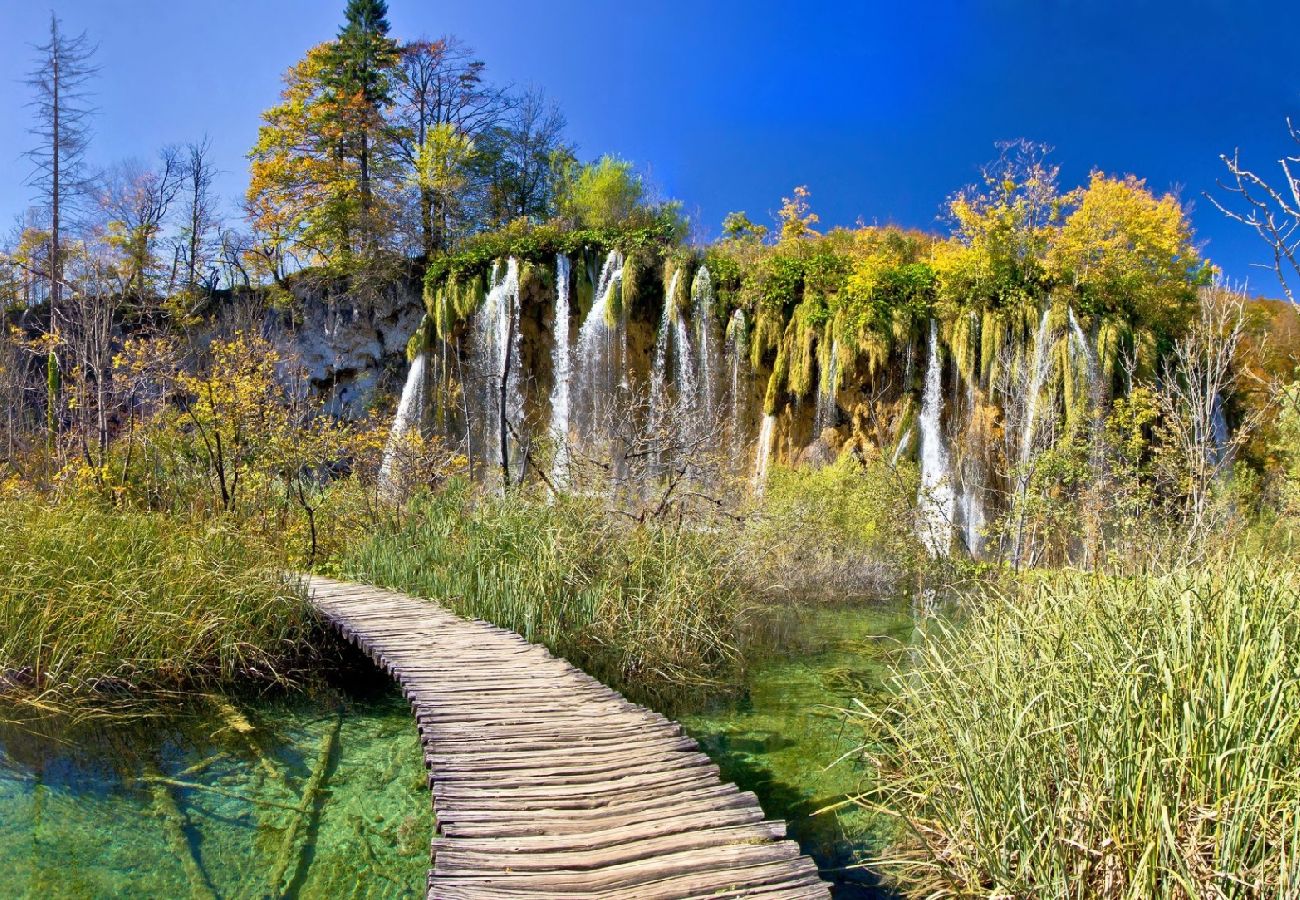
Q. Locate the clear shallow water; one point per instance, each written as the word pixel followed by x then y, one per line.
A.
pixel 83 812
pixel 784 739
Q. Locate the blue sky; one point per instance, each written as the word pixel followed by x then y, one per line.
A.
pixel 882 109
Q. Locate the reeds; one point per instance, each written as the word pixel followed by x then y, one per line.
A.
pixel 650 609
pixel 99 604
pixel 1094 737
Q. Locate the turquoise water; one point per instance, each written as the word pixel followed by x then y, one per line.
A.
pixel 786 740
pixel 214 801
pixel 327 796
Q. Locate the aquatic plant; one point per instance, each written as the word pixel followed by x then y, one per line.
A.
pixel 649 609
pixel 106 604
pixel 1101 737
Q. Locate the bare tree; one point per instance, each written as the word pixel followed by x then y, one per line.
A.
pixel 62 132
pixel 1273 211
pixel 197 244
pixel 523 149
pixel 1198 378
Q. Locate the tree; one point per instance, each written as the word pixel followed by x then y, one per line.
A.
pixel 523 150
pixel 1125 251
pixel 796 217
pixel 58 82
pixel 196 242
pixel 358 85
pixel 136 200
pixel 322 174
pixel 440 83
pixel 602 194
pixel 1271 210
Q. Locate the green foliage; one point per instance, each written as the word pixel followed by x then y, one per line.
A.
pixel 835 533
pixel 603 194
pixel 1101 737
pixel 649 609
pixel 151 604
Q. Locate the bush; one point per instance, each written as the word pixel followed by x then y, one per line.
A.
pixel 1098 737
pixel 649 609
pixel 96 602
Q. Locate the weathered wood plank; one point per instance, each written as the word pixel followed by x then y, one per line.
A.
pixel 546 783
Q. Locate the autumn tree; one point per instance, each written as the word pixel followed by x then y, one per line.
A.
pixel 136 200
pixel 1123 250
pixel 322 177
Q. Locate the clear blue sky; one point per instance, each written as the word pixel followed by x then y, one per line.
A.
pixel 881 108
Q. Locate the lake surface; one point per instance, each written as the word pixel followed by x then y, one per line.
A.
pixel 215 802
pixel 786 740
pixel 328 794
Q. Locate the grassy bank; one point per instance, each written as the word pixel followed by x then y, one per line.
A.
pixel 1089 737
pixel 649 609
pixel 98 604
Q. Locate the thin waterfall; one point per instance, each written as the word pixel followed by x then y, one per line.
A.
pixel 659 371
pixel 972 470
pixel 497 339
pixel 408 418
pixel 1037 374
pixel 763 452
pixel 935 499
pixel 600 341
pixel 562 366
pixel 825 413
pixel 1080 342
pixel 706 382
pixel 738 351
pixel 901 446
pixel 687 398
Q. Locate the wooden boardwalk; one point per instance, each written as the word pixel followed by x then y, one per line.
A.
pixel 546 783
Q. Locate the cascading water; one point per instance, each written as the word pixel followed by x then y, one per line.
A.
pixel 935 499
pixel 497 339
pixel 659 364
pixel 599 366
pixel 562 366
pixel 738 352
pixel 824 415
pixel 763 452
pixel 1037 374
pixel 409 417
pixel 706 382
pixel 972 470
pixel 1080 342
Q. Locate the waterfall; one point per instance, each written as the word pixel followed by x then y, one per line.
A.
pixel 687 398
pixel 599 345
pixel 659 364
pixel 706 382
pixel 936 495
pixel 1037 373
pixel 496 335
pixel 1218 432
pixel 1080 341
pixel 409 417
pixel 738 351
pixel 824 416
pixel 901 446
pixel 763 453
pixel 973 507
pixel 561 366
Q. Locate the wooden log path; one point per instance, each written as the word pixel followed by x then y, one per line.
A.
pixel 547 783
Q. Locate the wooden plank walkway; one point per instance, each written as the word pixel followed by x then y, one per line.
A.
pixel 546 783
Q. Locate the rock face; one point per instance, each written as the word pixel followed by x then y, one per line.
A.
pixel 353 350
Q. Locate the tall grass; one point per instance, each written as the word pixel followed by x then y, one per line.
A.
pixel 1103 738
pixel 650 609
pixel 97 603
